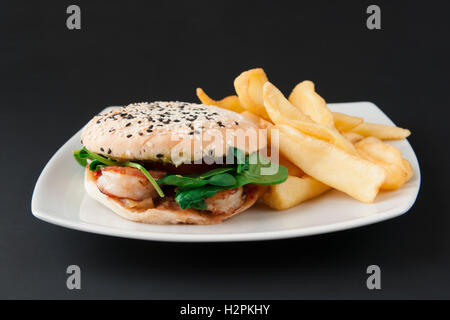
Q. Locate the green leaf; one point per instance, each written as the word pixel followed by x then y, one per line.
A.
pixel 223 180
pixel 199 205
pixel 95 165
pixel 80 158
pixel 213 172
pixel 83 154
pixel 253 173
pixel 181 181
pixel 255 176
pixel 104 160
pixel 194 198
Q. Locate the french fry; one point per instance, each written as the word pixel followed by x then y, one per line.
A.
pixel 230 103
pixel 249 86
pixel 320 149
pixel 409 169
pixel 352 137
pixel 388 157
pixel 381 131
pixel 305 98
pixel 343 122
pixel 332 166
pixel 293 170
pixel 292 192
pixel 281 111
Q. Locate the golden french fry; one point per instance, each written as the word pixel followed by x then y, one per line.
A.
pixel 344 122
pixel 249 86
pixel 292 192
pixel 293 170
pixel 230 103
pixel 386 156
pixel 352 137
pixel 332 166
pixel 381 131
pixel 409 169
pixel 275 101
pixel 281 111
pixel 263 124
pixel 305 98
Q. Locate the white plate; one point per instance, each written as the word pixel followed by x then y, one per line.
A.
pixel 59 198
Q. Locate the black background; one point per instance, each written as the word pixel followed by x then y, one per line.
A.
pixel 54 80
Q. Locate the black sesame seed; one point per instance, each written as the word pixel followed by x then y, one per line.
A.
pixel 149 130
pixel 102 150
pixel 159 155
pixel 129 136
pixel 109 151
pixel 140 133
pixel 128 124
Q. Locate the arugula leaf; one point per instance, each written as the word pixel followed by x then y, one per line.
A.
pixel 182 181
pixel 212 172
pixel 223 180
pixel 95 165
pixel 80 158
pixel 253 173
pixel 195 198
pixel 83 154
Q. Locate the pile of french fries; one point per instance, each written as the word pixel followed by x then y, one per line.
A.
pixel 321 149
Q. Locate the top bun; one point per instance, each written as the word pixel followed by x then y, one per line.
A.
pixel 171 132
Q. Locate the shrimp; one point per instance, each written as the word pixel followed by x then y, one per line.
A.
pixel 128 183
pixel 225 201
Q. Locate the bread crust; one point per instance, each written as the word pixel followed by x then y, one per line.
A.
pixel 164 215
pixel 172 132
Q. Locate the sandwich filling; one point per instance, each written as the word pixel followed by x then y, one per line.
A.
pixel 142 186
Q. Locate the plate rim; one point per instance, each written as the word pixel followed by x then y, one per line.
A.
pixel 223 237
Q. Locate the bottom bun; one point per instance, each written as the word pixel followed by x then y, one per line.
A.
pixel 164 215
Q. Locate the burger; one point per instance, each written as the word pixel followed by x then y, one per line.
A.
pixel 174 162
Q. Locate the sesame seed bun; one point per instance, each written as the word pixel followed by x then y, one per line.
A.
pixel 170 132
pixel 164 215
